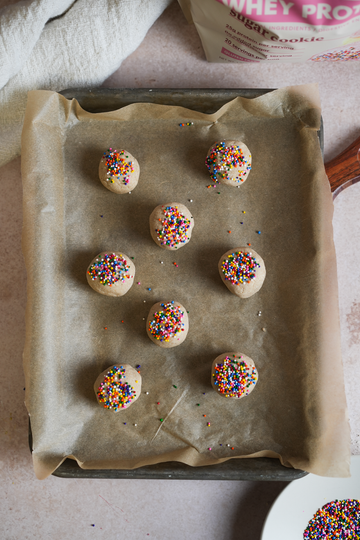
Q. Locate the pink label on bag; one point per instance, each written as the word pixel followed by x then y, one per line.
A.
pixel 311 12
pixel 236 56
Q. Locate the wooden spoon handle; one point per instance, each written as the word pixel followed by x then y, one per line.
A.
pixel 344 167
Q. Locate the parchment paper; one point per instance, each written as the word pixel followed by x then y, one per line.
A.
pixel 297 411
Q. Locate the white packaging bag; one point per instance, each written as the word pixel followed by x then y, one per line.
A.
pixel 276 30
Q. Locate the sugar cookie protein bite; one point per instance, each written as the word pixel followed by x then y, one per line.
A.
pixel 111 273
pixel 171 225
pixel 229 162
pixel 243 271
pixel 118 387
pixel 233 375
pixel 119 171
pixel 167 324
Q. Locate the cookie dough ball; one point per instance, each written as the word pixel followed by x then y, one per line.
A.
pixel 243 271
pixel 119 171
pixel 233 375
pixel 171 225
pixel 111 274
pixel 118 387
pixel 229 162
pixel 167 325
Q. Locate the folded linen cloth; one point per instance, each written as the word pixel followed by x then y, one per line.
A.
pixel 58 44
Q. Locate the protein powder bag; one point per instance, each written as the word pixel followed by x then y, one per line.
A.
pixel 276 30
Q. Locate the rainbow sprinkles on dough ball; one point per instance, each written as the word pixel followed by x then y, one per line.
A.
pixel 243 271
pixel 234 375
pixel 118 387
pixel 167 324
pixel 171 225
pixel 119 171
pixel 229 162
pixel 111 274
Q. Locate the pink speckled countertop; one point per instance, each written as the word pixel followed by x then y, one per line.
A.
pixel 171 56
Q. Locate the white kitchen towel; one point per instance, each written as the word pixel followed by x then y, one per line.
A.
pixel 58 44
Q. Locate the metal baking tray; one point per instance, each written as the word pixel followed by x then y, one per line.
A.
pixel 254 469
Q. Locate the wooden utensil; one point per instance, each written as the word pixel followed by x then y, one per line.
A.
pixel 344 170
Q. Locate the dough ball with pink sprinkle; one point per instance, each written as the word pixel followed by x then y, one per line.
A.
pixel 119 171
pixel 167 324
pixel 243 271
pixel 111 273
pixel 118 387
pixel 171 225
pixel 229 162
pixel 233 375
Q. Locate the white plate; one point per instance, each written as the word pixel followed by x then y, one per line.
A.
pixel 300 500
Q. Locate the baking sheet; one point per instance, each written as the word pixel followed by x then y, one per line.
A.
pixel 298 407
